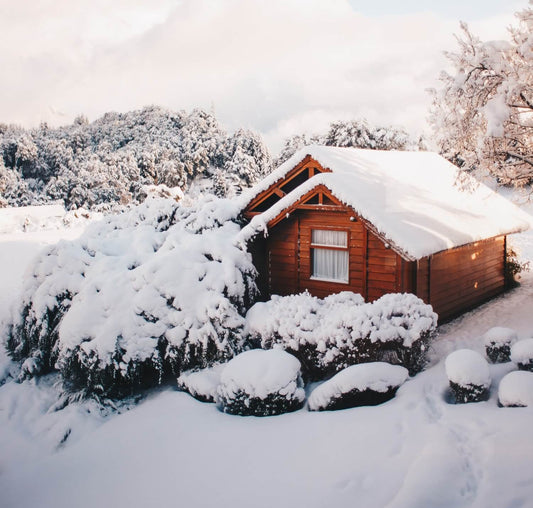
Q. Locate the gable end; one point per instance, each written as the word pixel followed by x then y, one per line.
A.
pixel 305 169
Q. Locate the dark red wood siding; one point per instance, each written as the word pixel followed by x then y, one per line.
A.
pixel 459 279
pixel 382 269
pixel 374 269
pixel 282 247
pixel 315 219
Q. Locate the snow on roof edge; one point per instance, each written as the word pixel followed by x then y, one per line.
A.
pixel 426 225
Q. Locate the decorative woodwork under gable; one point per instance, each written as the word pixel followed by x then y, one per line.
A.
pixel 304 170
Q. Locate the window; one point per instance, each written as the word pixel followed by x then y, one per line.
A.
pixel 329 255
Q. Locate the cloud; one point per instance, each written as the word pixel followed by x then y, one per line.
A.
pixel 279 67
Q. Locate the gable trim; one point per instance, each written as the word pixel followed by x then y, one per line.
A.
pixel 275 188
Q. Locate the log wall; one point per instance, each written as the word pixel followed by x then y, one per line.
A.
pixel 374 269
pixel 311 219
pixel 451 281
pixel 459 279
pixel 282 260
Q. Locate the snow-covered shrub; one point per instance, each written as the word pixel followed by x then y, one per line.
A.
pixel 522 354
pixel 468 374
pixel 261 383
pixel 366 384
pixel 341 330
pixel 516 389
pixel 498 341
pixel 201 384
pixel 150 293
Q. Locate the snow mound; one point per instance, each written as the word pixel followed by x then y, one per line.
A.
pixel 348 387
pixel 522 354
pixel 465 367
pixel 42 218
pixel 261 383
pixel 341 330
pixel 201 384
pixel 516 389
pixel 499 335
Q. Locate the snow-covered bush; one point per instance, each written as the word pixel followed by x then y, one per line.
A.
pixel 468 374
pixel 366 384
pixel 261 383
pixel 522 354
pixel 341 330
pixel 516 389
pixel 498 341
pixel 201 384
pixel 150 293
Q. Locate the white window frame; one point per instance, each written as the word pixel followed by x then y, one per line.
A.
pixel 324 246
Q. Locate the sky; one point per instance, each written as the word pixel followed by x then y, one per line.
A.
pixel 279 67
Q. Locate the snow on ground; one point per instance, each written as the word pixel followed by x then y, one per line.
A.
pixel 416 451
pixel 29 425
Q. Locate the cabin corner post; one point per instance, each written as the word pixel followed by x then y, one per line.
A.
pixel 365 264
pixel 507 282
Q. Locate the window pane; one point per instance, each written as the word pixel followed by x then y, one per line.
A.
pixel 328 237
pixel 330 264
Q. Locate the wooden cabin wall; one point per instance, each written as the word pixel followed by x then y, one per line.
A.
pixel 374 269
pixel 282 247
pixel 459 279
pixel 315 219
pixel 451 281
pixel 383 266
pixel 259 252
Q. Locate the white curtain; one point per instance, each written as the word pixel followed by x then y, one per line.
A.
pixel 329 237
pixel 330 264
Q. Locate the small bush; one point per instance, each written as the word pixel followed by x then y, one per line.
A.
pixel 261 383
pixel 464 394
pixel 341 330
pixel 514 267
pixel 469 376
pixel 522 354
pixel 516 389
pixel 498 341
pixel 367 384
pixel 201 384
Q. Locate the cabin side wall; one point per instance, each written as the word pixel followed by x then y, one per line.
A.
pixel 383 269
pixel 282 258
pixel 459 279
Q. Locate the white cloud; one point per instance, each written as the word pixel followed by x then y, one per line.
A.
pixel 279 67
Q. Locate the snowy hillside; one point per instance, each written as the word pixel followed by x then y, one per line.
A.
pixel 415 451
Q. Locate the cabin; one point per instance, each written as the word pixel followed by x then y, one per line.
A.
pixel 374 222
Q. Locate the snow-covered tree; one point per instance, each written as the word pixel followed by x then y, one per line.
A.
pixel 246 157
pixel 482 115
pixel 220 186
pixel 112 159
pixel 355 134
pixel 293 143
pixel 359 134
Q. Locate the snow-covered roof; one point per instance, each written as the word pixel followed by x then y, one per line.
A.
pixel 411 198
